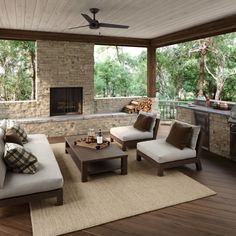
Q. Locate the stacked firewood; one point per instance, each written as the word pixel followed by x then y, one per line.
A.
pixel 139 105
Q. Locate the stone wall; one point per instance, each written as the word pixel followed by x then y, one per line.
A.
pixel 219 133
pixel 18 109
pixel 59 64
pixel 185 115
pixel 115 104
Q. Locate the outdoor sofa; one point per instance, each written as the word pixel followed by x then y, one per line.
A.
pixel 47 182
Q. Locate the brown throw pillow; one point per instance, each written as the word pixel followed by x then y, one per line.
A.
pixel 139 122
pixel 143 123
pixel 12 137
pixel 179 135
pixel 147 123
pixel 20 131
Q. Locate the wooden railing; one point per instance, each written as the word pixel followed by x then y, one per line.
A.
pixel 167 108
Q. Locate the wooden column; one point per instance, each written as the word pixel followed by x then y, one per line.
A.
pixel 151 71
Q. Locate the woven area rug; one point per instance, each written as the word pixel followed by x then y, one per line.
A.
pixel 108 197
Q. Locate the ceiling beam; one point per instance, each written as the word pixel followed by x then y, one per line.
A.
pixel 40 35
pixel 221 26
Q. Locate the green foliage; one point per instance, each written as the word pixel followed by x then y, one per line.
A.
pixel 178 68
pixel 221 64
pixel 177 72
pixel 117 73
pixel 16 69
pixel 229 92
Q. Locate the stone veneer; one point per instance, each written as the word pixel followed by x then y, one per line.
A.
pixel 185 115
pixel 219 131
pixel 219 135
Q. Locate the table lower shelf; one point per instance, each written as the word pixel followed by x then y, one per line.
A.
pixel 104 166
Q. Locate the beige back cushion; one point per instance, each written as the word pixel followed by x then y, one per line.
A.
pixel 3 168
pixel 196 131
pixel 3 125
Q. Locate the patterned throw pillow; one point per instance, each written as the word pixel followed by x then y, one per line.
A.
pixel 19 131
pixel 19 160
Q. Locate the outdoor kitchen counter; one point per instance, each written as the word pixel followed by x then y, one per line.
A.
pixel 214 123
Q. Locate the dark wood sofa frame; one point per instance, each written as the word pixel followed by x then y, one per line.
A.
pixel 58 193
pixel 133 143
pixel 162 166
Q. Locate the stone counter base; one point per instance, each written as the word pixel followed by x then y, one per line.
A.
pixel 76 124
pixel 219 131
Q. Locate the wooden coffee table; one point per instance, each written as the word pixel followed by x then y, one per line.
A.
pixel 93 161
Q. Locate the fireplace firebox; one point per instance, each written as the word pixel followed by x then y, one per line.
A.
pixel 66 100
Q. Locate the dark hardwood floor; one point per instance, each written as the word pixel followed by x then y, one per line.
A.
pixel 215 215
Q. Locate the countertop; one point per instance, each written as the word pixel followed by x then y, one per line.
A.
pixel 206 109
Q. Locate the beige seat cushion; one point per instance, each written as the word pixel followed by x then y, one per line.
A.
pixel 127 133
pixel 162 152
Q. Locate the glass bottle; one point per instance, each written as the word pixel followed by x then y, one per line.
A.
pixel 99 137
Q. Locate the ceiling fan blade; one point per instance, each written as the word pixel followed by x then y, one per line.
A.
pixel 113 26
pixel 87 18
pixel 76 27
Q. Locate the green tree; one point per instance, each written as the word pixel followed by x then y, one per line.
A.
pixel 117 73
pixel 17 70
pixel 177 71
pixel 206 66
pixel 201 47
pixel 221 66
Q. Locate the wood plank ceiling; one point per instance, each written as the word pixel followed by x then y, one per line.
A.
pixel 147 19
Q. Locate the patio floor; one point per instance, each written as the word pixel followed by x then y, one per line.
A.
pixel 215 215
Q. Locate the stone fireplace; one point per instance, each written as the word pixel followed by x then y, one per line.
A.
pixel 66 100
pixel 63 64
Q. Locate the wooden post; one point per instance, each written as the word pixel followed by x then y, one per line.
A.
pixel 151 72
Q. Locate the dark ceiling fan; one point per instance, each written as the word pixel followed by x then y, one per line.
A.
pixel 95 24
